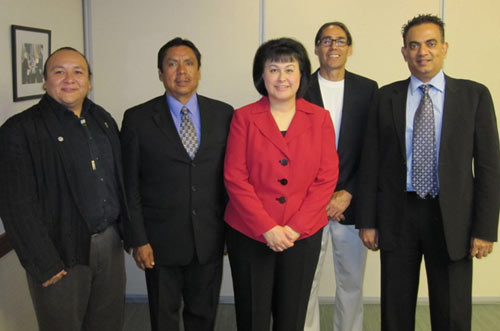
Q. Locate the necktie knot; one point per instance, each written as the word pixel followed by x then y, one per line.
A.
pixel 184 111
pixel 425 88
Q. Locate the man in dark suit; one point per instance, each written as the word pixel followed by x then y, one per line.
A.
pixel 429 183
pixel 347 97
pixel 62 198
pixel 173 148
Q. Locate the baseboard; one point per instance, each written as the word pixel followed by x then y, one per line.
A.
pixel 132 298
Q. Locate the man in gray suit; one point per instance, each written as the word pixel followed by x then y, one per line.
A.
pixel 430 183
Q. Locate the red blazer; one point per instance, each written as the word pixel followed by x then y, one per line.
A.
pixel 274 180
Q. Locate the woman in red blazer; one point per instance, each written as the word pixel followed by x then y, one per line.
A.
pixel 280 171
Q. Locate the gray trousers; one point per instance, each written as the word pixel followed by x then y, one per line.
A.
pixel 89 297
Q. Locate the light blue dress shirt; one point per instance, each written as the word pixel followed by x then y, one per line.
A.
pixel 436 93
pixel 194 112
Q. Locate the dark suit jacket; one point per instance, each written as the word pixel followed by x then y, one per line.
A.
pixel 176 204
pixel 469 166
pixel 39 196
pixel 358 95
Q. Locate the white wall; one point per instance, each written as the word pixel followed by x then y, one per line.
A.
pixel 64 19
pixel 128 34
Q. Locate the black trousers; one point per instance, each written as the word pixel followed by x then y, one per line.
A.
pixel 266 282
pixel 196 285
pixel 449 282
pixel 88 298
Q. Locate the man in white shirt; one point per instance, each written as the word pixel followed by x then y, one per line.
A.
pixel 347 97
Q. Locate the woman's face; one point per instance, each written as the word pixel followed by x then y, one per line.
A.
pixel 282 79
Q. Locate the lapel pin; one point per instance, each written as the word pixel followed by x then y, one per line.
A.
pixel 60 139
pixel 106 125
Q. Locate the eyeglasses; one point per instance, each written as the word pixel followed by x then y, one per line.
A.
pixel 327 42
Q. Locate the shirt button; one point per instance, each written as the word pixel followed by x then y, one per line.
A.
pixel 284 162
pixel 283 181
pixel 281 200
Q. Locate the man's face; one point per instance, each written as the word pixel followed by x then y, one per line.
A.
pixel 332 57
pixel 424 51
pixel 181 73
pixel 68 80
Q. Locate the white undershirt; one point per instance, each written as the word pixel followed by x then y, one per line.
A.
pixel 333 101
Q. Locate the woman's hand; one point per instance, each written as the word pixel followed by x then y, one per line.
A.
pixel 277 239
pixel 291 233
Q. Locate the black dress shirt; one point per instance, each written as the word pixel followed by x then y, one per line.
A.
pixel 93 160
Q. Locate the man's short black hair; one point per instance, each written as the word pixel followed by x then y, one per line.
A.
pixel 281 50
pixel 66 48
pixel 177 41
pixel 422 19
pixel 336 23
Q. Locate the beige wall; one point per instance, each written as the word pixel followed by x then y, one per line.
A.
pixel 64 19
pixel 127 35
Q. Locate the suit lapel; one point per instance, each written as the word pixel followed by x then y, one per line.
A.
pixel 347 111
pixel 314 91
pixel 399 112
pixel 451 114
pixel 165 123
pixel 208 124
pixel 264 121
pixel 300 123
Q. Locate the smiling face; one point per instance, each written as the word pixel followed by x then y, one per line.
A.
pixel 180 73
pixel 68 79
pixel 424 51
pixel 281 79
pixel 333 57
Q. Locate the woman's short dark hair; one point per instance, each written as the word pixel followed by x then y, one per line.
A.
pixel 281 50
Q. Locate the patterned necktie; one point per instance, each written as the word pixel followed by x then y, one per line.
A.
pixel 424 178
pixel 188 134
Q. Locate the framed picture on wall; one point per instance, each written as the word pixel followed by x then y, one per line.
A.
pixel 30 48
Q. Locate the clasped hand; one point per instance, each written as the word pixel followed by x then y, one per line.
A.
pixel 280 238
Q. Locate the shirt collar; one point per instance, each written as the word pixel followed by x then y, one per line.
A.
pixel 61 111
pixel 176 106
pixel 437 82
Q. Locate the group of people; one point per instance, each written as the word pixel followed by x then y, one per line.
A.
pixel 412 169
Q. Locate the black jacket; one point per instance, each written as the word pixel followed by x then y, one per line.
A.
pixel 38 192
pixel 358 94
pixel 176 204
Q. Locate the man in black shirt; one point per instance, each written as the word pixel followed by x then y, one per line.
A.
pixel 62 198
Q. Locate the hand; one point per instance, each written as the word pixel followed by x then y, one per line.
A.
pixel 480 248
pixel 143 256
pixel 55 278
pixel 338 204
pixel 291 234
pixel 369 237
pixel 277 239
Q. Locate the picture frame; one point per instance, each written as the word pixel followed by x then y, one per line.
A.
pixel 30 48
